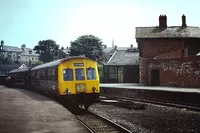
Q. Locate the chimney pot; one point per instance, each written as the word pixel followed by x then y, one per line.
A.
pixel 163 21
pixel 184 21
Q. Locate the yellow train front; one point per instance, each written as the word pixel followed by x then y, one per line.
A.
pixel 74 79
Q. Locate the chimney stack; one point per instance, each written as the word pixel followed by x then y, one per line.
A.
pixel 131 45
pixel 162 21
pixel 184 21
pixel 2 43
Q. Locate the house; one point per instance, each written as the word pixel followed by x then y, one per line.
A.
pixel 168 54
pixel 20 55
pixel 123 62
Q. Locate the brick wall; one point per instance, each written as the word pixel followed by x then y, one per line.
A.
pixel 166 55
pixel 184 72
pixel 143 71
pixel 170 55
pixel 154 47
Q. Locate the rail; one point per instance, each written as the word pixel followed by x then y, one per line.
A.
pixel 97 124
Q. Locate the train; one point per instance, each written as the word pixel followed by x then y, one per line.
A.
pixel 74 79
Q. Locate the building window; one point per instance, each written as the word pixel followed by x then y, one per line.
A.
pixel 120 74
pixel 112 72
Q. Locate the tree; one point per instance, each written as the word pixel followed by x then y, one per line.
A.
pixel 48 50
pixel 62 48
pixel 37 63
pixel 23 47
pixel 87 45
pixel 5 60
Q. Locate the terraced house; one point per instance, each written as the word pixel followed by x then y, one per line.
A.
pixel 169 54
pixel 23 55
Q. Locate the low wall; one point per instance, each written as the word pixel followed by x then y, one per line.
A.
pixel 190 98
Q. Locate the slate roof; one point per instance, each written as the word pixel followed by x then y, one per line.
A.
pixel 12 49
pixel 169 32
pixel 26 52
pixel 107 50
pixel 19 50
pixel 123 57
pixel 20 70
pixel 66 51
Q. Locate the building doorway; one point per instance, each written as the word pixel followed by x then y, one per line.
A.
pixel 155 77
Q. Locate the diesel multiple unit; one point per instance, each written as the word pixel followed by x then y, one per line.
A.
pixel 74 79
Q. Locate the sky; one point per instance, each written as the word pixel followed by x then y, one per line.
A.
pixel 29 21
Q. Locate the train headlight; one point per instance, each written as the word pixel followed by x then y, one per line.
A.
pixel 68 91
pixel 83 87
pixel 78 88
pixel 93 89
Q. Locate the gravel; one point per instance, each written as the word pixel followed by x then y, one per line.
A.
pixel 151 119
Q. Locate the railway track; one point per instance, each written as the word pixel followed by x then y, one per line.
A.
pixel 157 102
pixel 98 124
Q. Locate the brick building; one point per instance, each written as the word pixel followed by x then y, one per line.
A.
pixel 168 55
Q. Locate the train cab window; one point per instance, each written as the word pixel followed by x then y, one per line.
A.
pixel 80 74
pixel 91 74
pixel 68 75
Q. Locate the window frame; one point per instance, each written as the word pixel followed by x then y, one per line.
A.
pixel 93 72
pixel 72 74
pixel 77 74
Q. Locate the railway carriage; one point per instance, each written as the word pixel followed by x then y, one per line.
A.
pixel 19 77
pixel 74 79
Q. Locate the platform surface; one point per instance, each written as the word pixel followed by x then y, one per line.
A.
pixel 139 86
pixel 23 111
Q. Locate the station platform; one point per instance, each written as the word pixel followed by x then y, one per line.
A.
pixel 188 96
pixel 23 111
pixel 140 86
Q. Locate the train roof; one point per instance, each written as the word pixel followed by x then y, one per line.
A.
pixel 57 62
pixel 20 70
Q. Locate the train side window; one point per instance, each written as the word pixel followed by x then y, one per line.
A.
pixel 54 74
pixel 80 74
pixel 49 72
pixel 91 74
pixel 68 75
pixel 53 71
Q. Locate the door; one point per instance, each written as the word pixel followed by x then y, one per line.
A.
pixel 155 77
